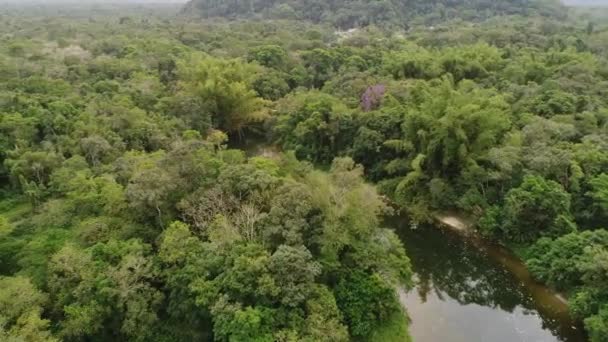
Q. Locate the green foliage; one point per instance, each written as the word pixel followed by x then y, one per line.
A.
pixel 446 135
pixel 474 62
pixel 599 191
pixel 271 56
pixel 367 302
pixel 314 125
pixel 224 89
pixel 394 329
pixel 596 325
pixel 106 289
pixel 21 307
pixel 320 65
pixel 558 262
pixel 271 85
pixel 577 262
pixel 123 200
pixel 262 269
pixel 537 208
pixel 348 14
pixel 5 227
pixel 33 258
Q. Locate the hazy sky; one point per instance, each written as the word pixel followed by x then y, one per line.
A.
pixel 596 3
pixel 92 1
pixel 183 1
pixel 569 2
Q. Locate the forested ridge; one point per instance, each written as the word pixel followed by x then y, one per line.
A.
pixel 127 213
pixel 348 13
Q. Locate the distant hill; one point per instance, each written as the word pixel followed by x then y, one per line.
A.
pixel 352 13
pixel 586 3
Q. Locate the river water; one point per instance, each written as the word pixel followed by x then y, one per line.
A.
pixel 468 290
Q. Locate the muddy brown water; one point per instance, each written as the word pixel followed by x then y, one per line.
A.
pixel 471 290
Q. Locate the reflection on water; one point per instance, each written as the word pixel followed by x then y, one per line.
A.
pixel 255 146
pixel 470 291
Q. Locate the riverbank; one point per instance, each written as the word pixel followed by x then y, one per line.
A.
pixel 455 221
pixel 552 299
pixel 464 285
pixel 488 283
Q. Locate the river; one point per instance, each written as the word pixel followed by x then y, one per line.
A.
pixel 469 290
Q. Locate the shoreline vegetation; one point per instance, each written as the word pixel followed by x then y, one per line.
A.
pixel 143 223
pixel 505 256
pixel 549 300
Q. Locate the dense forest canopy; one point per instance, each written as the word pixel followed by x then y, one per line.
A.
pixel 347 14
pixel 126 214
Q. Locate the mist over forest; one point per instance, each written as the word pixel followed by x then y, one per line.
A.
pixel 114 2
pixel 586 3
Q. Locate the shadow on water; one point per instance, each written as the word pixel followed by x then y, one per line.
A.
pixel 469 290
pixel 254 146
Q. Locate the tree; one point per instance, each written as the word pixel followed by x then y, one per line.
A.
pixel 536 208
pixel 293 218
pixel 589 303
pixel 599 192
pixel 270 56
pixel 106 290
pixel 218 139
pixel 224 88
pixel 5 227
pixel 366 301
pixel 320 64
pixel 546 152
pixel 182 256
pixel 596 325
pixel 271 85
pixel 202 207
pixel 233 323
pixel 17 130
pixel 150 190
pixel 324 322
pixel 315 125
pixel 21 306
pixel 96 195
pixel 190 108
pixel 294 271
pixel 34 166
pixel 557 262
pixel 94 149
pixel 446 135
pixel 590 27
